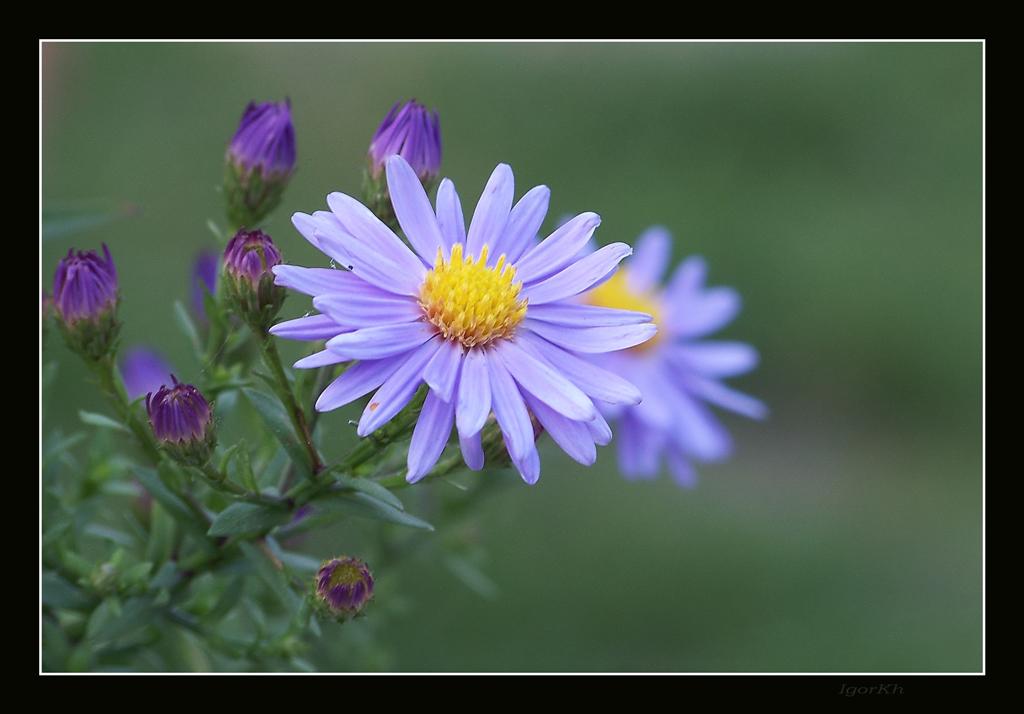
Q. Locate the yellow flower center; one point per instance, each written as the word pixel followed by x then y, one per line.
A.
pixel 469 302
pixel 616 293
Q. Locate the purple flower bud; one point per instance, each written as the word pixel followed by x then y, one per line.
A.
pixel 265 139
pixel 143 371
pixel 260 161
pixel 344 585
pixel 413 133
pixel 182 421
pixel 85 299
pixel 248 282
pixel 204 279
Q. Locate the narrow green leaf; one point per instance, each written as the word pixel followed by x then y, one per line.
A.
pixel 241 517
pixel 161 534
pixel 227 600
pixel 59 593
pixel 371 488
pixel 188 327
pixel 471 576
pixel 276 419
pixel 366 506
pixel 101 421
pixel 114 535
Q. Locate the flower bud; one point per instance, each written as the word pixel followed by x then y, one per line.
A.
pixel 85 300
pixel 182 421
pixel 248 280
pixel 260 161
pixel 343 586
pixel 412 132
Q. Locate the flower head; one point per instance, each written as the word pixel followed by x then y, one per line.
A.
pixel 249 282
pixel 488 319
pixel 85 298
pixel 678 372
pixel 260 161
pixel 344 585
pixel 204 279
pixel 143 370
pixel 182 421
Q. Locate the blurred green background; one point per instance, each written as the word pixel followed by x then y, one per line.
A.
pixel 838 187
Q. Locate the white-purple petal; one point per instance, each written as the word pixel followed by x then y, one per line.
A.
pixel 412 209
pixel 472 451
pixel 596 382
pixel 366 309
pixel 720 395
pixel 315 281
pixel 592 340
pixel 449 216
pixel 379 342
pixel 360 223
pixel 524 221
pixel 442 372
pixel 579 315
pixel 704 313
pixel 544 383
pixel 358 380
pixel 491 212
pixel 368 264
pixel 314 327
pixel 528 464
pixel 713 359
pixel 473 403
pixel 572 436
pixel 396 392
pixel 430 436
pixel 318 359
pixel 510 411
pixel 578 277
pixel 557 250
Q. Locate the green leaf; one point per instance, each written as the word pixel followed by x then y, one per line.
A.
pixel 165 577
pixel 366 506
pixel 241 517
pixel 161 535
pixel 371 488
pixel 276 419
pixel 112 620
pixel 471 576
pixel 236 464
pixel 227 600
pixel 69 218
pixel 114 535
pixel 101 421
pixel 273 578
pixel 188 327
pixel 59 593
pixel 164 496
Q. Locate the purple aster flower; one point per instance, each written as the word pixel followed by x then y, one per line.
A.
pixel 678 372
pixel 248 260
pixel 412 132
pixel 488 320
pixel 85 299
pixel 182 421
pixel 344 585
pixel 204 279
pixel 260 161
pixel 143 370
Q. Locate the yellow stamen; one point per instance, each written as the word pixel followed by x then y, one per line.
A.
pixel 469 302
pixel 617 294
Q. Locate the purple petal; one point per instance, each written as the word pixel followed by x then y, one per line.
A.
pixel 650 258
pixel 544 383
pixel 600 431
pixel 379 342
pixel 524 221
pixel 682 471
pixel 577 315
pixel 558 249
pixel 528 465
pixel 318 359
pixel 639 448
pixel 713 359
pixel 472 451
pixel 510 411
pixel 592 340
pixel 429 437
pixel 314 327
pixel 704 313
pixel 360 223
pixel 720 395
pixel 358 380
pixel 442 372
pixel 473 403
pixel 371 266
pixel 412 208
pixel 368 309
pixel 449 216
pixel 695 429
pixel 593 380
pixel 578 277
pixel 396 392
pixel 492 211
pixel 315 281
pixel 687 279
pixel 321 221
pixel 572 436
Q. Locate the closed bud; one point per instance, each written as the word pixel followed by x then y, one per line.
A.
pixel 344 585
pixel 412 132
pixel 85 299
pixel 260 161
pixel 248 280
pixel 182 422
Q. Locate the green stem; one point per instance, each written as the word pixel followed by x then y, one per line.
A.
pixel 268 348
